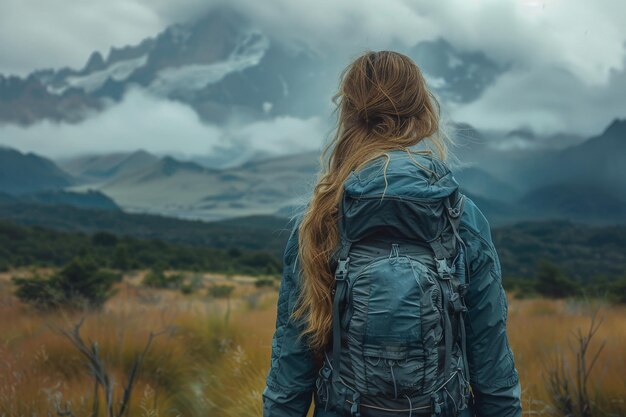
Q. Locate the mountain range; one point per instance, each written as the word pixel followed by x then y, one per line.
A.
pixel 222 64
pixel 583 182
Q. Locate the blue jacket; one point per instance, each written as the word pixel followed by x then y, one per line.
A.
pixel 494 379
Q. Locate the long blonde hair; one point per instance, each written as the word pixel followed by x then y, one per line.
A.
pixel 384 104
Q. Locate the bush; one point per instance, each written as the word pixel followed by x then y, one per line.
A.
pixel 121 258
pixel 187 289
pixel 104 239
pixel 79 284
pixel 618 291
pixel 552 282
pixel 193 284
pixel 41 292
pixel 525 289
pixel 264 282
pixel 260 262
pixel 520 287
pixel 156 278
pixel 221 291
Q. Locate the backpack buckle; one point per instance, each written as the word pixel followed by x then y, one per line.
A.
pixel 356 402
pixel 436 404
pixel 443 269
pixel 457 303
pixel 454 211
pixel 325 372
pixel 342 269
pixel 463 289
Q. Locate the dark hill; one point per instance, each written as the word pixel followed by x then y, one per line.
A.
pixel 26 172
pixel 576 202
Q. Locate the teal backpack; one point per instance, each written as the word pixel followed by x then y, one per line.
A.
pixel 398 336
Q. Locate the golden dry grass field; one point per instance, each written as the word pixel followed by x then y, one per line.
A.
pixel 210 355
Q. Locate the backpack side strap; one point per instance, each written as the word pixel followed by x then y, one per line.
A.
pixel 452 292
pixel 339 292
pixel 454 213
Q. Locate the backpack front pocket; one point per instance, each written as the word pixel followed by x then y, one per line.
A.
pixel 393 328
pixel 392 373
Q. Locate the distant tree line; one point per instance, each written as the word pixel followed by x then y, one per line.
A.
pixel 551 281
pixel 551 259
pixel 36 246
pixel 256 232
pixel 583 252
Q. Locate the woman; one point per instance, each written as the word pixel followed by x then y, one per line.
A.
pixel 385 109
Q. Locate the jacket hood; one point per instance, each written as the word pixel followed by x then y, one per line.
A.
pixel 416 176
pixel 399 194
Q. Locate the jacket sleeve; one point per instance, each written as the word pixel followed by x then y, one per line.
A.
pixel 291 378
pixel 493 376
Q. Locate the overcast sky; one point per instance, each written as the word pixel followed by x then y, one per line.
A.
pixel 568 56
pixel 585 37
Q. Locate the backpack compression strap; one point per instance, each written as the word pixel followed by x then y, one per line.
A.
pixel 452 301
pixel 339 292
pixel 458 302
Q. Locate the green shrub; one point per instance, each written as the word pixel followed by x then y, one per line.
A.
pixel 264 282
pixel 525 291
pixel 187 289
pixel 259 262
pixel 194 283
pixel 552 282
pixel 79 284
pixel 41 292
pixel 121 258
pixel 618 291
pixel 519 287
pixel 104 239
pixel 221 291
pixel 156 278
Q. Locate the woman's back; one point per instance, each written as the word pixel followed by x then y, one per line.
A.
pixel 397 344
pixel 405 307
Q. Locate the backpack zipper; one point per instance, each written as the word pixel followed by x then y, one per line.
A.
pixel 394 197
pixel 423 407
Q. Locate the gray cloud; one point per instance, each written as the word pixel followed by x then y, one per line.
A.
pixel 585 38
pixel 567 57
pixel 164 127
pixel 549 100
pixel 56 33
